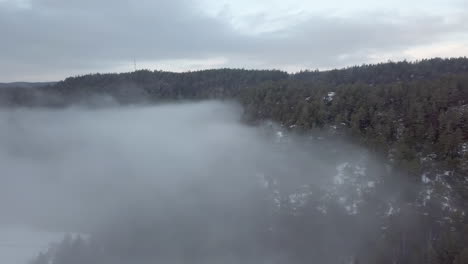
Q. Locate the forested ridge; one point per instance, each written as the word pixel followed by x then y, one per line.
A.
pixel 413 114
pixel 406 108
pixel 409 119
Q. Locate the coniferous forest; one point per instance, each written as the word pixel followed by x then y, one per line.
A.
pixel 412 115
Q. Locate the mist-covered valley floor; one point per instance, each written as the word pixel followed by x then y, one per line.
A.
pixel 189 183
pixel 233 132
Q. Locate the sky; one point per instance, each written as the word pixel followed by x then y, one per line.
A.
pixel 48 40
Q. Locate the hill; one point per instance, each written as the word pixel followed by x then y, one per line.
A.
pixel 414 115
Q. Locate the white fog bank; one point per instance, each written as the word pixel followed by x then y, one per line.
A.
pixel 109 171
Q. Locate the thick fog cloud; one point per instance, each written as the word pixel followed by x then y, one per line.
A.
pixel 179 181
pixel 76 166
pixel 79 164
pixel 48 39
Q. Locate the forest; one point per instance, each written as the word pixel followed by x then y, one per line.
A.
pixel 413 115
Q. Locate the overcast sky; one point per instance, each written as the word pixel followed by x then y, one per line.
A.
pixel 44 40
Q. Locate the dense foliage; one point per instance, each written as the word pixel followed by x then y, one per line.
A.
pixel 408 120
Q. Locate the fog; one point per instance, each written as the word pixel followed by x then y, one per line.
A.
pixel 186 182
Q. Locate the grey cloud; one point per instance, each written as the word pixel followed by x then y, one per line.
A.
pixel 170 177
pixel 116 30
pixel 75 167
pixel 321 41
pixel 78 166
pixel 62 36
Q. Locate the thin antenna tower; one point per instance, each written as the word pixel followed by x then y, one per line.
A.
pixel 134 64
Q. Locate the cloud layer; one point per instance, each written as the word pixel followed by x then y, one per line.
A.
pixel 179 180
pixel 73 167
pixel 51 39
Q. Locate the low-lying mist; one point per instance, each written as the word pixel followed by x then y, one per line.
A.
pixel 184 182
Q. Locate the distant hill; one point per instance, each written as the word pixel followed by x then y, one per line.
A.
pixel 25 84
